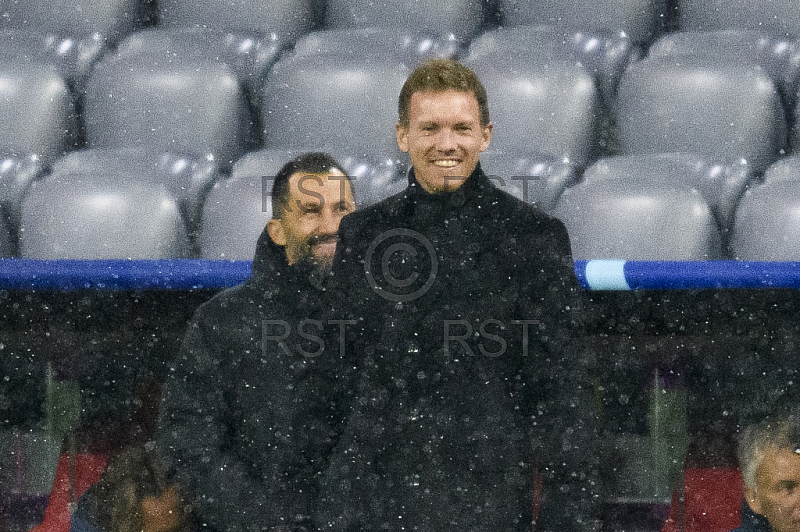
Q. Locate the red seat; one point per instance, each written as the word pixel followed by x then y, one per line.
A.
pixel 712 501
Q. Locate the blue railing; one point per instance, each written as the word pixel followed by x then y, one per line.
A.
pixel 190 274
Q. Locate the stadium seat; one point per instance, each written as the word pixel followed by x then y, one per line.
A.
pixel 188 178
pixel 238 208
pixel 462 18
pixel 333 103
pixel 780 18
pixel 111 19
pixel 603 55
pixel 17 173
pixel 721 185
pixel 776 56
pixel 73 58
pixel 766 225
pixel 248 56
pixel 287 19
pixel 533 178
pixel 37 111
pixel 642 20
pixel 397 44
pixel 721 109
pixel 168 101
pixel 624 216
pixel 548 107
pixel 101 216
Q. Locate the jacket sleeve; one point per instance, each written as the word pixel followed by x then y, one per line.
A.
pixel 565 433
pixel 194 442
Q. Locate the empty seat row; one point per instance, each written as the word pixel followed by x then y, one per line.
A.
pixel 139 204
pixel 725 95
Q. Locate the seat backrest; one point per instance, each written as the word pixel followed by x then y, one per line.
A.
pixel 37 111
pixel 766 226
pixel 395 44
pixel 612 219
pixel 174 104
pixel 187 177
pixel 534 178
pixel 101 216
pixel 780 18
pixel 248 56
pixel 603 55
pixel 8 246
pixel 73 58
pixel 333 103
pixel 775 55
pixel 642 20
pixel 462 18
pixel 722 110
pixel 111 19
pixel 288 19
pixel 17 174
pixel 546 107
pixel 721 185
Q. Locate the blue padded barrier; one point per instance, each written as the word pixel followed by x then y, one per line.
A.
pixel 191 274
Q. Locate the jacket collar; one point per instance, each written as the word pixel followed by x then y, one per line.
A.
pixel 468 197
pixel 270 267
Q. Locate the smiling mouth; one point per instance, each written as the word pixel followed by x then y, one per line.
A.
pixel 446 163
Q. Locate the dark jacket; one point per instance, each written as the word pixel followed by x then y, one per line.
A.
pixel 233 418
pixel 751 521
pixel 460 367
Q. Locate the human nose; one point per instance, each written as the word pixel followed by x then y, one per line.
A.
pixel 446 140
pixel 329 222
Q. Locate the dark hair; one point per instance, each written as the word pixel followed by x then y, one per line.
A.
pixel 308 163
pixel 439 75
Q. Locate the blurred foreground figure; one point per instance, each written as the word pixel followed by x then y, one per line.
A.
pixel 461 391
pixel 234 423
pixel 133 495
pixel 769 455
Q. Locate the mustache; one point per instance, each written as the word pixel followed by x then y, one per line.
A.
pixel 322 239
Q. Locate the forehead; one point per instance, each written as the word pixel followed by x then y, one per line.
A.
pixel 449 105
pixel 778 465
pixel 309 187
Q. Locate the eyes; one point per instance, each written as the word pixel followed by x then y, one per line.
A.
pixel 787 487
pixel 431 128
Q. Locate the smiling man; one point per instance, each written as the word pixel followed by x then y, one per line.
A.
pixel 462 380
pixel 233 424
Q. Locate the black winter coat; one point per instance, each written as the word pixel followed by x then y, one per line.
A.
pixel 461 376
pixel 234 409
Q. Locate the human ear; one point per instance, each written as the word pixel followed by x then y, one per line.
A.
pixel 402 136
pixel 276 231
pixel 486 136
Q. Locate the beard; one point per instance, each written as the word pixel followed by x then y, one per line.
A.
pixel 322 263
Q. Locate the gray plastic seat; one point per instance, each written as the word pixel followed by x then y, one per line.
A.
pixel 641 20
pixel 624 216
pixel 333 103
pixel 720 109
pixel 288 19
pixel 603 55
pixel 721 185
pixel 395 44
pixel 111 19
pixel 188 178
pixel 462 18
pixel 548 107
pixel 73 58
pixel 17 174
pixel 776 56
pixel 534 178
pixel 238 208
pixel 175 103
pixel 780 18
pixel 37 111
pixel 248 56
pixel 766 227
pixel 101 216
